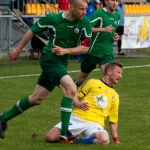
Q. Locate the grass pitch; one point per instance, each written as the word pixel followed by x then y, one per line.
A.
pixel 134 111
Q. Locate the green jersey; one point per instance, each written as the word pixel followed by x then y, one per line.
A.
pixel 103 42
pixel 64 33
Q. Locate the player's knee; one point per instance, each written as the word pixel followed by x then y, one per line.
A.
pixel 49 138
pixel 102 138
pixel 105 141
pixel 35 100
pixel 52 135
pixel 71 91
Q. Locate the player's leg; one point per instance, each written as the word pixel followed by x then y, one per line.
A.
pixel 95 138
pixel 104 61
pixel 39 93
pixel 81 78
pixel 69 89
pixel 52 135
pixel 120 31
pixel 101 138
pixel 76 127
pixel 94 134
pixel 119 43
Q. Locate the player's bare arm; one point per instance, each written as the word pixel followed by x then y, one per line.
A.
pixel 105 29
pixel 113 130
pixel 70 51
pixel 13 55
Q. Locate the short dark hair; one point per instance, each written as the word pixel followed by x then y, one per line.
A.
pixel 112 65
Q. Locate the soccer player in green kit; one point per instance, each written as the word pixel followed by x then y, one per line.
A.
pixel 104 23
pixel 71 36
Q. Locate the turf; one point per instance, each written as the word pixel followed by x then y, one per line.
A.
pixel 134 112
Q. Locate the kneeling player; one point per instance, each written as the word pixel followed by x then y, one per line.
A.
pixel 103 102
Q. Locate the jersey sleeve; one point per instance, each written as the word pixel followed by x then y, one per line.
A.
pixel 43 24
pixel 96 19
pixel 84 89
pixel 113 114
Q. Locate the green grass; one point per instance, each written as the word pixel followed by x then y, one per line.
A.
pixel 134 112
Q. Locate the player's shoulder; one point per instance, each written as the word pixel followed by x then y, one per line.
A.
pixel 99 10
pixel 89 82
pixel 93 81
pixel 86 20
pixel 116 13
pixel 54 17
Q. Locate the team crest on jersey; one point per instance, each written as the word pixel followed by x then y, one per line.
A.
pixel 101 101
pixel 76 30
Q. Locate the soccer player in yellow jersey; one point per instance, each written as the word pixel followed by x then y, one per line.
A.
pixel 100 101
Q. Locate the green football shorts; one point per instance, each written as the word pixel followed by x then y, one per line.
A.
pixel 89 62
pixel 52 72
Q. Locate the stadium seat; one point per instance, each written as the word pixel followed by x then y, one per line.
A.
pixel 40 9
pixel 137 9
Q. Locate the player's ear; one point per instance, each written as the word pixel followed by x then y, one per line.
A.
pixel 71 7
pixel 109 71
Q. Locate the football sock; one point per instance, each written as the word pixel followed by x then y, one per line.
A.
pixel 88 140
pixel 18 108
pixel 66 109
pixel 119 46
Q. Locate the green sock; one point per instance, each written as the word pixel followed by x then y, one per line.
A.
pixel 18 108
pixel 66 109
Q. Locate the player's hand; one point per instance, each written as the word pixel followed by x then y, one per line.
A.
pixel 108 29
pixel 118 142
pixel 13 56
pixel 84 106
pixel 116 37
pixel 59 50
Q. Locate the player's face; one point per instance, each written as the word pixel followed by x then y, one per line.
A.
pixel 79 10
pixel 115 75
pixel 111 5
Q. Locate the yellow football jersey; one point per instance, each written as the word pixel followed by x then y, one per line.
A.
pixel 103 102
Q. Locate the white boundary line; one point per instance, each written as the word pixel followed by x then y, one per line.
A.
pixel 73 71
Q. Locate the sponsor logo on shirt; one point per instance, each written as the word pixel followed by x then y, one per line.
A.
pixel 76 30
pixel 101 101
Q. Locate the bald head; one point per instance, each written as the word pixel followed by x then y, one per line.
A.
pixel 77 9
pixel 76 2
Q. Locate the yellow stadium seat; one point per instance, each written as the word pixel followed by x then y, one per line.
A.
pixel 28 10
pixel 141 9
pixel 34 9
pixel 148 7
pixel 126 9
pixel 130 9
pixel 38 9
pixel 51 8
pixel 133 9
pixel 43 9
pixel 137 9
